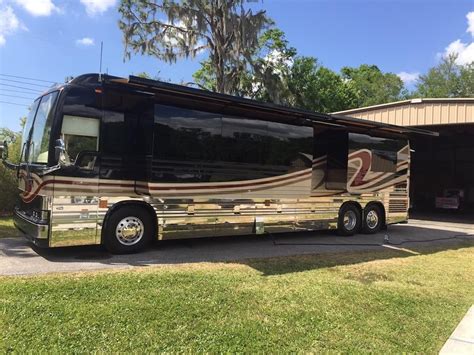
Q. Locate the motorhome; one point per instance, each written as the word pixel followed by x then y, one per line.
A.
pixel 125 161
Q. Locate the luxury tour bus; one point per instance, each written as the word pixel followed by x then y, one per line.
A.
pixel 122 162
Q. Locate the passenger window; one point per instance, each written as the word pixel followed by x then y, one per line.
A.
pixel 186 135
pixel 81 138
pixel 243 140
pixel 289 146
pixel 383 151
pixel 126 137
pixel 83 102
pixel 199 146
pixel 337 159
pixel 384 161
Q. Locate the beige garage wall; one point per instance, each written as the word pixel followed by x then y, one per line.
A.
pixel 418 112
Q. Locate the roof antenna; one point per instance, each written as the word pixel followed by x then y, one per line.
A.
pixel 100 65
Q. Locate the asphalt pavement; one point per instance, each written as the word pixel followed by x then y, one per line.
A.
pixel 19 257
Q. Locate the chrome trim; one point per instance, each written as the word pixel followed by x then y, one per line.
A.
pixel 74 220
pixel 350 220
pixel 372 219
pixel 129 231
pixel 32 229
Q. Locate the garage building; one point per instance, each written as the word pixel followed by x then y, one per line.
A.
pixel 441 166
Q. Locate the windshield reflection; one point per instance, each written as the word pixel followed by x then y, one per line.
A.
pixel 38 129
pixel 28 124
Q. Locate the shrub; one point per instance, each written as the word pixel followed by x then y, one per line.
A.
pixel 8 179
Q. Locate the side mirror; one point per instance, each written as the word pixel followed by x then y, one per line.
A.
pixel 59 148
pixel 4 150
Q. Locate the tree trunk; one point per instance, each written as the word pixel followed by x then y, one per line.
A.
pixel 220 73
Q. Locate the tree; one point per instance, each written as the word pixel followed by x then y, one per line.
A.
pixel 225 28
pixel 205 76
pixel 317 88
pixel 8 180
pixel 271 68
pixel 371 86
pixel 466 80
pixel 265 77
pixel 447 79
pixel 277 74
pixel 146 75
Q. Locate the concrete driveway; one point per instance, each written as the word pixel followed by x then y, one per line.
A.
pixel 18 257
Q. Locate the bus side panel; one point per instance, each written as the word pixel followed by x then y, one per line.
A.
pixel 76 185
pixel 379 171
pixel 399 198
pixel 214 173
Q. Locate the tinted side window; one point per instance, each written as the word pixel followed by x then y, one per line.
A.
pixel 384 161
pixel 126 135
pixel 384 151
pixel 127 119
pixel 337 160
pixel 198 146
pixel 183 134
pixel 334 145
pixel 243 140
pixel 186 145
pixel 289 146
pixel 82 102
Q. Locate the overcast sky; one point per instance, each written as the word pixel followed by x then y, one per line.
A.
pixel 53 39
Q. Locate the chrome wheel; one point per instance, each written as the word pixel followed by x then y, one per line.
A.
pixel 129 231
pixel 350 220
pixel 372 219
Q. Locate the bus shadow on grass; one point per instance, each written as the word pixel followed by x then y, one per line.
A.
pixel 403 242
pixel 306 262
pixel 280 253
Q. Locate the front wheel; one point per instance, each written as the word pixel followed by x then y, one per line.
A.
pixel 128 230
pixel 349 220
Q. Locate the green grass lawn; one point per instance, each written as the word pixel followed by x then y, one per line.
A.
pixel 7 229
pixel 388 301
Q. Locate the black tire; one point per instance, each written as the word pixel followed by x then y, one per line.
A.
pixel 349 220
pixel 373 219
pixel 127 230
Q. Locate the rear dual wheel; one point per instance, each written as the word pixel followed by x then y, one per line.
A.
pixel 373 219
pixel 351 220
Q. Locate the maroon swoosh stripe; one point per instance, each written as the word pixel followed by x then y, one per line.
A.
pixel 71 182
pixel 183 193
pixel 226 186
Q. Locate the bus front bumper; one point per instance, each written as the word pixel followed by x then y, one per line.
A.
pixel 36 232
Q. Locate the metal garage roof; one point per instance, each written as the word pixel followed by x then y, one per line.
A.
pixel 418 112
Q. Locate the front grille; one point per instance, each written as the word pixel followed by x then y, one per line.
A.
pixel 36 210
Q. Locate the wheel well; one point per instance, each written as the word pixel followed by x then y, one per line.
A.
pixel 382 208
pixel 353 203
pixel 139 204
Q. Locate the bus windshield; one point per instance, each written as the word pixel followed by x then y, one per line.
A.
pixel 38 129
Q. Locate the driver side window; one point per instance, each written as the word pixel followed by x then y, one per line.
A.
pixel 81 139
